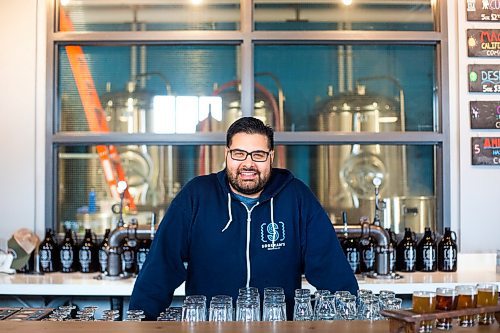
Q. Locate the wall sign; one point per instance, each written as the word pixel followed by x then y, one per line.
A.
pixel 486 151
pixel 484 78
pixel 484 114
pixel 483 10
pixel 483 42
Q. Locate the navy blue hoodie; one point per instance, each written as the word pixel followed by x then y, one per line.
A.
pixel 228 246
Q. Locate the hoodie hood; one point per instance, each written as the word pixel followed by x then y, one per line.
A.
pixel 279 179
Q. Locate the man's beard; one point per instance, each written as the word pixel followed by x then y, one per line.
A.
pixel 245 186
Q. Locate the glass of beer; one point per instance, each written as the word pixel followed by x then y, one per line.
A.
pixel 466 299
pixel 446 300
pixel 424 302
pixel 487 295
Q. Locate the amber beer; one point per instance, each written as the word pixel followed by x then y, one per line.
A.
pixel 467 298
pixel 487 295
pixel 446 300
pixel 424 302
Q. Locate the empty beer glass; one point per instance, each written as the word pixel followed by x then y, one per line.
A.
pixel 274 307
pixel 325 309
pixel 346 308
pixel 247 308
pixel 487 295
pixel 424 302
pixel 368 307
pixel 467 298
pixel 317 297
pixel 221 308
pixel 194 308
pixel 446 300
pixel 302 309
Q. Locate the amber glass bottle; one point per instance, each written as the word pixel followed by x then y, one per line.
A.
pixel 427 253
pixel 406 253
pixel 447 252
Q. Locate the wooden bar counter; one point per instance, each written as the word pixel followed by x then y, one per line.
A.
pixel 356 326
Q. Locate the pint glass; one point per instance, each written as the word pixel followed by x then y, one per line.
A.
pixel 487 295
pixel 424 302
pixel 446 300
pixel 467 298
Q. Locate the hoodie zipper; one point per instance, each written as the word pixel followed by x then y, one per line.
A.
pixel 249 220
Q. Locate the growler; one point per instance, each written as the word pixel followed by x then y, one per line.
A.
pixel 68 253
pixel 393 244
pixel 447 252
pixel 142 252
pixel 103 252
pixel 88 254
pixel 427 252
pixel 406 253
pixel 128 256
pixel 49 253
pixel 367 246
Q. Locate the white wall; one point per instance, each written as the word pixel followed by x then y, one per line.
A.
pixel 18 52
pixel 479 185
pixel 474 190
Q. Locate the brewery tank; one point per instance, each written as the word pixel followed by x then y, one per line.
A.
pixel 345 173
pixel 150 170
pixel 266 108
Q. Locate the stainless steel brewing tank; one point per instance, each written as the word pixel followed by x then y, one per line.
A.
pixel 345 173
pixel 212 157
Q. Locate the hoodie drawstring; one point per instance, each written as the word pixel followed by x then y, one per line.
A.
pixel 272 220
pixel 229 211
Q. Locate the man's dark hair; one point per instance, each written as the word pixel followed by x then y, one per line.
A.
pixel 250 125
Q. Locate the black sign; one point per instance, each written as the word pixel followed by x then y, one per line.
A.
pixel 483 10
pixel 484 114
pixel 486 151
pixel 483 42
pixel 484 78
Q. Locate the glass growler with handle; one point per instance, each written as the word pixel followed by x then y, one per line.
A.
pixel 406 253
pixel 447 252
pixel 49 253
pixel 427 253
pixel 68 253
pixel 103 254
pixel 351 248
pixel 393 244
pixel 88 255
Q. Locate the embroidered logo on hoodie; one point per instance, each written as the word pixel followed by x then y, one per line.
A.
pixel 272 235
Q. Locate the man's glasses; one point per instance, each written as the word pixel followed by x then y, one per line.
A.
pixel 256 156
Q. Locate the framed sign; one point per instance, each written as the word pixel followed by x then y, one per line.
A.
pixel 483 42
pixel 484 114
pixel 483 10
pixel 484 78
pixel 486 151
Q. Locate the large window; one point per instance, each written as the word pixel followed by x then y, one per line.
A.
pixel 145 90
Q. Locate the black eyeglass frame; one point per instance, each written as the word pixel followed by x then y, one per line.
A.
pixel 267 153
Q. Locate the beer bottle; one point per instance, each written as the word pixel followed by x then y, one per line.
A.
pixel 128 256
pixel 142 252
pixel 447 252
pixel 406 253
pixel 49 253
pixel 367 252
pixel 68 253
pixel 427 252
pixel 103 254
pixel 88 254
pixel 393 244
pixel 351 248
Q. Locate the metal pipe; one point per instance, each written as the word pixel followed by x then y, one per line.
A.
pixel 116 237
pixel 382 253
pixel 380 234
